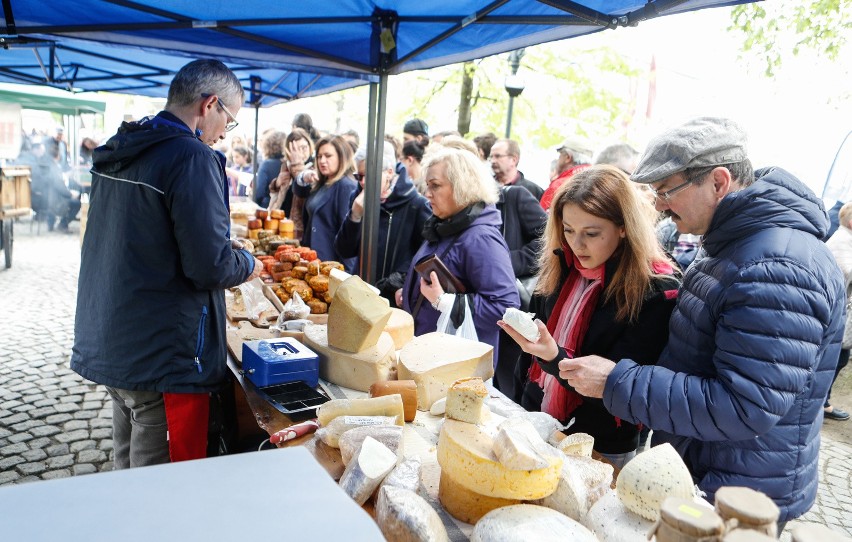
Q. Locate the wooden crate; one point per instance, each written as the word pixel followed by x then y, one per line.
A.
pixel 15 191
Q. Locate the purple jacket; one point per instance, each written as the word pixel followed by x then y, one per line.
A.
pixel 479 257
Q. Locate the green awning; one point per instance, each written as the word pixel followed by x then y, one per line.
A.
pixel 56 101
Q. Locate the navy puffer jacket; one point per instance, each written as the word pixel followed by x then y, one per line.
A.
pixel 753 343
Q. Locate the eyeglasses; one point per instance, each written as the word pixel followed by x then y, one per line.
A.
pixel 231 123
pixel 498 156
pixel 669 194
pixel 358 176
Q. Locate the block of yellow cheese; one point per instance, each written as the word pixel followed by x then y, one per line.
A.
pixel 400 326
pixel 436 360
pixel 466 505
pixel 357 371
pixel 388 405
pixel 465 400
pixel 466 454
pixel 357 317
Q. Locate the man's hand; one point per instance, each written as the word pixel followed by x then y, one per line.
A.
pixel 358 207
pixel 258 268
pixel 587 374
pixel 431 291
pixel 282 182
pixel 544 349
pixel 310 177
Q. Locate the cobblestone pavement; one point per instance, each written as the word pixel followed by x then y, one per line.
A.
pixel 55 424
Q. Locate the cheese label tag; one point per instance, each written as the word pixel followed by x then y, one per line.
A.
pixel 690 511
pixel 364 420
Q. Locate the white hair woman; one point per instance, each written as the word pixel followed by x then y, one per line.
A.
pixel 464 232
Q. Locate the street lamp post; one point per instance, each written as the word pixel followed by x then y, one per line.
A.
pixel 514 86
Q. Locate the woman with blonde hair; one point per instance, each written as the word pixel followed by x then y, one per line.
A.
pixel 464 232
pixel 329 190
pixel 605 287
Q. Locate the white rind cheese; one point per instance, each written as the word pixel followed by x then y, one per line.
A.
pixel 357 371
pixel 612 522
pixel 404 516
pixel 389 435
pixel 582 482
pixel 330 435
pixel 465 400
pixel 650 477
pixel 357 317
pixel 436 360
pixel 406 475
pixel 387 405
pixel 466 454
pixel 364 474
pixel 527 523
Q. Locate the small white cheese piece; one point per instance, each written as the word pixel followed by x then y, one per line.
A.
pixel 465 400
pixel 439 407
pixel 650 477
pixel 523 323
pixel 577 444
pixel 389 435
pixel 436 360
pixel 405 516
pixel 526 522
pixel 364 474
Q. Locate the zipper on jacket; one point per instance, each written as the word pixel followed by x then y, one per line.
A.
pixel 387 245
pixel 199 344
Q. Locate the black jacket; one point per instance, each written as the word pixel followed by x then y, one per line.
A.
pixel 533 188
pixel 155 261
pixel 400 235
pixel 641 341
pixel 523 225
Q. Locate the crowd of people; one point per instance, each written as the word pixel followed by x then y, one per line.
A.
pixel 676 289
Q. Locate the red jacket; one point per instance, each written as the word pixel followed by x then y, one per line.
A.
pixel 557 182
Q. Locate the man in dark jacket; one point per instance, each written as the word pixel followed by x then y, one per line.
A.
pixel 157 255
pixel 755 335
pixel 504 158
pixel 403 212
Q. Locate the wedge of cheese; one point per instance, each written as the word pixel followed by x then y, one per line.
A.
pixel 406 475
pixel 357 317
pixel 357 371
pixel 465 400
pixel 650 477
pixel 400 327
pixel 389 435
pixel 336 277
pixel 331 433
pixel 577 444
pixel 466 505
pixel 526 522
pixel 466 454
pixel 389 405
pixel 364 473
pixel 436 360
pixel 405 516
pixel 518 446
pixel 581 484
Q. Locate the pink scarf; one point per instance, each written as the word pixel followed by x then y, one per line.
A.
pixel 568 323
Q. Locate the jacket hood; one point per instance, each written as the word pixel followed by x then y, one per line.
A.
pixel 403 192
pixel 776 199
pixel 134 138
pixel 490 216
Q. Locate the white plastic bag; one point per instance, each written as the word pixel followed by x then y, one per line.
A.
pixel 466 330
pixel 253 298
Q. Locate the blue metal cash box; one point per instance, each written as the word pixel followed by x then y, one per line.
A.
pixel 277 361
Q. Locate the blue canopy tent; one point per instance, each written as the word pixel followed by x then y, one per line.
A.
pixel 335 37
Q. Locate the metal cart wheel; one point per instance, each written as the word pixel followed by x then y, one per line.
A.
pixel 7 237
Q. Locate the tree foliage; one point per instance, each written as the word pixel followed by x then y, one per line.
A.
pixel 771 30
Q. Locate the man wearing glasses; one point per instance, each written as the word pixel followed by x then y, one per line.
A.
pixel 755 335
pixel 504 158
pixel 156 258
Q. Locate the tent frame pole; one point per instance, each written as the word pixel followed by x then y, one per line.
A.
pixel 373 179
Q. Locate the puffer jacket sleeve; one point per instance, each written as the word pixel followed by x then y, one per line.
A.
pixel 770 323
pixel 197 208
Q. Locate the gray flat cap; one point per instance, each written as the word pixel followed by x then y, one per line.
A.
pixel 701 142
